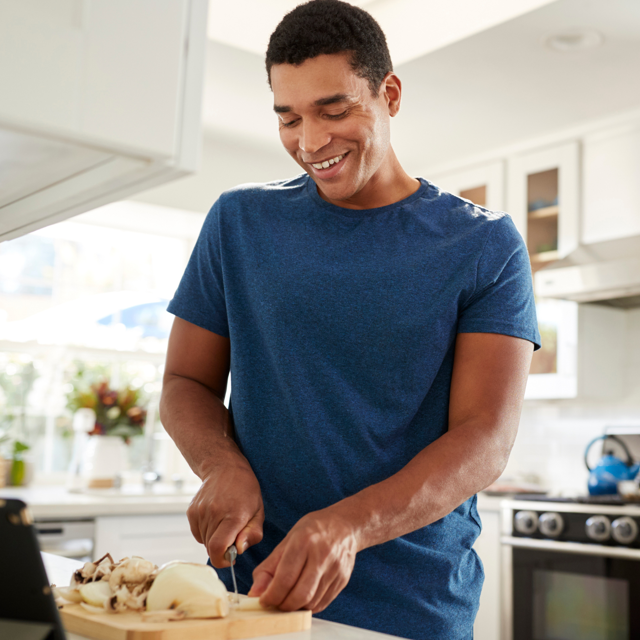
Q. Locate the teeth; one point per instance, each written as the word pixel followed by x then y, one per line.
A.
pixel 327 163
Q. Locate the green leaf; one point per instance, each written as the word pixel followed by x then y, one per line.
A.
pixel 19 447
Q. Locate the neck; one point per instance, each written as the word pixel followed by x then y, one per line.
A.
pixel 390 184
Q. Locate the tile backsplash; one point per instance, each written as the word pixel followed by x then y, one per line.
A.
pixel 553 434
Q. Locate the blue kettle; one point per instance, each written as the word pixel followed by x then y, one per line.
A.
pixel 604 477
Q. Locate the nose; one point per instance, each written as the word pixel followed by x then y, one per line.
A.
pixel 313 136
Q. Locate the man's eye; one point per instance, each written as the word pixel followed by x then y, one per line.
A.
pixel 289 124
pixel 336 116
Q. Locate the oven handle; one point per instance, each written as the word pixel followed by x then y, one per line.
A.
pixel 572 547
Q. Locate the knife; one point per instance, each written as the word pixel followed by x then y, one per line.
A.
pixel 230 555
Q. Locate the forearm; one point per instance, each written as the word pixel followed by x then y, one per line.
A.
pixel 440 478
pixel 199 423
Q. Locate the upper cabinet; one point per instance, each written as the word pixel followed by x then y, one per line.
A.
pixel 543 199
pixel 99 100
pixel 611 185
pixel 582 345
pixel 483 184
pixel 543 190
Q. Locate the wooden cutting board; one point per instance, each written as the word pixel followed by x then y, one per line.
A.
pixel 129 626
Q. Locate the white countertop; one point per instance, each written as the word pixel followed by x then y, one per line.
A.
pixel 59 571
pixel 489 503
pixel 54 502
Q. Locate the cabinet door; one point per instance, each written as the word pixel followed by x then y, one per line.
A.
pixel 159 538
pixel 611 186
pixel 543 201
pixel 483 184
pixel 487 546
pixel 543 196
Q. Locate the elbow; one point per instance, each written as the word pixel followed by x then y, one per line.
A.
pixel 498 460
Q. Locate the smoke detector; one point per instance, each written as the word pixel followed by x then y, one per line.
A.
pixel 574 40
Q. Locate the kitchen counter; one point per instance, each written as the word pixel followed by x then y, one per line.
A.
pixel 60 569
pixel 57 502
pixel 489 503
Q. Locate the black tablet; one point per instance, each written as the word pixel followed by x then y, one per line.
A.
pixel 27 606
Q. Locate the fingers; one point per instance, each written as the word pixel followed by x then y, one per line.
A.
pixel 287 572
pixel 321 590
pixel 305 589
pixel 194 525
pixel 222 538
pixel 251 534
pixel 330 594
pixel 264 572
pixel 260 583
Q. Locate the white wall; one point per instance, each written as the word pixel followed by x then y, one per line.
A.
pixel 553 434
pixel 226 162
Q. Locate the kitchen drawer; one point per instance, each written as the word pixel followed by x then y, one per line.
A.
pixel 159 538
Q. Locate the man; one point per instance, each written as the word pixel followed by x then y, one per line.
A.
pixel 379 334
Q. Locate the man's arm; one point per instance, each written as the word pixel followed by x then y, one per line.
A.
pixel 314 562
pixel 228 507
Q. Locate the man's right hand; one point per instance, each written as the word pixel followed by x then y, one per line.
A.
pixel 227 510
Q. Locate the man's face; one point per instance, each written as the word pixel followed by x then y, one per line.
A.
pixel 331 124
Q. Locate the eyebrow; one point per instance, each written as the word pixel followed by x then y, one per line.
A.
pixel 321 102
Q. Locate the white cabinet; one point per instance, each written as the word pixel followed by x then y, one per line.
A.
pixel 159 538
pixel 487 546
pixel 100 99
pixel 585 352
pixel 482 184
pixel 543 199
pixel 611 185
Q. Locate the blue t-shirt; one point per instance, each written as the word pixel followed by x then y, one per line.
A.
pixel 342 326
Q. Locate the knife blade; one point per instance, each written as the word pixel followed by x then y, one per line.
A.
pixel 230 555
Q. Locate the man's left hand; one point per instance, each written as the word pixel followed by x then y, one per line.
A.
pixel 311 566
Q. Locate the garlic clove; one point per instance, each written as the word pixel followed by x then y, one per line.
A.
pixel 67 593
pixel 189 588
pixel 91 609
pixel 96 593
pixel 249 604
pixel 167 615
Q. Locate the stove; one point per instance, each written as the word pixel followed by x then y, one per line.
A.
pixel 570 568
pixel 606 499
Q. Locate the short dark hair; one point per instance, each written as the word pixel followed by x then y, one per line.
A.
pixel 331 26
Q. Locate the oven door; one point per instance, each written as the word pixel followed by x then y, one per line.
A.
pixel 570 591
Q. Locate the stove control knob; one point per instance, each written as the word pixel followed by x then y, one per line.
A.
pixel 551 525
pixel 624 530
pixel 598 528
pixel 526 522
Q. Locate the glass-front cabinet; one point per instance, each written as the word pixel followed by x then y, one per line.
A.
pixel 542 197
pixel 482 184
pixel 541 193
pixel 540 189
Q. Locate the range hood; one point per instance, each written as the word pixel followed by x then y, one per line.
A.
pixel 606 272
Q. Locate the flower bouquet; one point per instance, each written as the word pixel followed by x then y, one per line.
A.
pixel 118 412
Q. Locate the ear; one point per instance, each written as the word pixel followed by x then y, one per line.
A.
pixel 391 90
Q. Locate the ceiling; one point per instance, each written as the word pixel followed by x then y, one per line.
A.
pixel 489 89
pixel 412 27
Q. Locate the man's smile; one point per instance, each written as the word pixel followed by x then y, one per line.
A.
pixel 328 168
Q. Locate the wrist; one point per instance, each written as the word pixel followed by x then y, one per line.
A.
pixel 225 457
pixel 359 518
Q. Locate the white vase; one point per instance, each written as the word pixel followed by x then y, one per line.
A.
pixel 104 458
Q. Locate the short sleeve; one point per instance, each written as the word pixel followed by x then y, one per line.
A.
pixel 503 300
pixel 200 297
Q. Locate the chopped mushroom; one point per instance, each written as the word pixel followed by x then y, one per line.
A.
pixel 131 570
pixel 178 590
